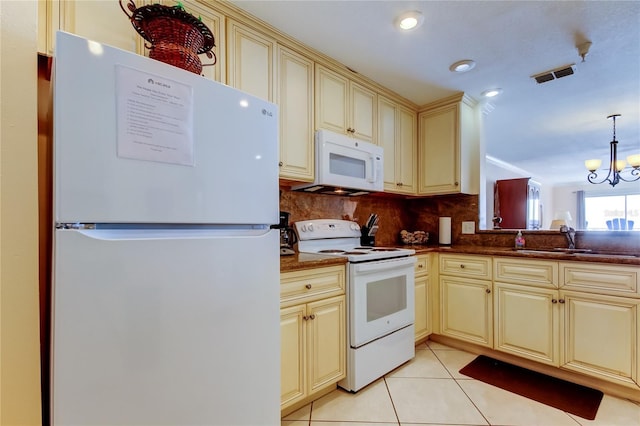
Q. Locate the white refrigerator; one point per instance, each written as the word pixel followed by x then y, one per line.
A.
pixel 165 305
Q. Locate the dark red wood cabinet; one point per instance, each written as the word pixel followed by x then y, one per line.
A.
pixel 517 202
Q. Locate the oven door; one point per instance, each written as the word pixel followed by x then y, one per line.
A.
pixel 381 298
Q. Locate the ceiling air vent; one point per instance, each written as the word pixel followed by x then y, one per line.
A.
pixel 554 74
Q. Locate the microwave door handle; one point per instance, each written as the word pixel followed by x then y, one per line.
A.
pixel 372 175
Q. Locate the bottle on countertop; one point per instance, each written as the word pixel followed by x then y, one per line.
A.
pixel 519 240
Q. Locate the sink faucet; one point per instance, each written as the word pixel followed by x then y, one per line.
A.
pixel 570 233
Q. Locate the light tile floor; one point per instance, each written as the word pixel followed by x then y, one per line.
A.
pixel 429 390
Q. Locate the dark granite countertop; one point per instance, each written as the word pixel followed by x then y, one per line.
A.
pixel 308 261
pixel 299 261
pixel 622 258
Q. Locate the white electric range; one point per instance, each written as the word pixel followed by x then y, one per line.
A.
pixel 380 298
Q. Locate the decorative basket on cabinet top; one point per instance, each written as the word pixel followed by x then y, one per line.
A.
pixel 176 37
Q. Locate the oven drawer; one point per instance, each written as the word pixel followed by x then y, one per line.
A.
pixel 311 284
pixel 466 266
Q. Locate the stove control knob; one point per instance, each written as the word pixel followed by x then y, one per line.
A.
pixel 355 227
pixel 303 228
pixel 310 227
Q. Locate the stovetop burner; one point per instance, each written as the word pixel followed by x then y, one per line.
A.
pixel 341 238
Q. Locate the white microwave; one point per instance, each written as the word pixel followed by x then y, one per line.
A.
pixel 345 166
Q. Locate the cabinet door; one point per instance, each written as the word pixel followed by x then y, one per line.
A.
pixel 293 354
pixel 326 342
pixel 438 151
pixel 397 136
pixel 422 319
pixel 406 148
pixel 295 99
pixel 362 108
pixel 466 309
pixel 387 140
pixel 250 58
pixel 216 24
pixel 600 335
pixel 527 322
pixel 100 20
pixel 331 100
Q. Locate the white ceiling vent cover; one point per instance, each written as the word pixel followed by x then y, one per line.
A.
pixel 554 74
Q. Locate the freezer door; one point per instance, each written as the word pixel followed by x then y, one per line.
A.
pixel 165 328
pixel 140 141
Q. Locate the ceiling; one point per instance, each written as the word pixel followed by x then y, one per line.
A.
pixel 548 129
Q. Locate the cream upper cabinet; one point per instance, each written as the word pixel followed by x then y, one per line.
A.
pixel 466 308
pixel 99 20
pixel 250 60
pixel 295 100
pixel 312 332
pixel 397 134
pixel 422 324
pixel 344 106
pixel 215 21
pixel 449 147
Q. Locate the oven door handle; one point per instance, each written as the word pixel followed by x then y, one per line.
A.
pixel 386 265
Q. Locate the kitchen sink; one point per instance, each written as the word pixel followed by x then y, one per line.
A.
pixel 577 252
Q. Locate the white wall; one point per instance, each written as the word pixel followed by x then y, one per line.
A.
pixel 19 312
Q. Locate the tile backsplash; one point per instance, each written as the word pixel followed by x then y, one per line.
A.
pixel 421 214
pixel 396 213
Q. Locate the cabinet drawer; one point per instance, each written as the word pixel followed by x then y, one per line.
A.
pixel 311 284
pixel 600 278
pixel 466 266
pixel 422 265
pixel 540 273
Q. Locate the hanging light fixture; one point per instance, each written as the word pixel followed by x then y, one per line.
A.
pixel 615 166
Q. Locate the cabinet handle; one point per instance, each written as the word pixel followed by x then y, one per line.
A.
pixel 461 266
pixel 488 291
pixel 305 317
pixel 280 164
pixel 561 300
pixel 554 301
pixel 420 266
pixel 308 286
pixel 312 316
pixel 456 183
pixel 399 184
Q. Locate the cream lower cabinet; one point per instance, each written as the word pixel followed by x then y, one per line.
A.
pixel 527 322
pixel 422 323
pixel 601 322
pixel 525 304
pixel 397 135
pixel 466 308
pixel 600 336
pixel 312 332
pixel 589 325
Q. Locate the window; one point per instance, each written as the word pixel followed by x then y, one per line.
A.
pixel 612 212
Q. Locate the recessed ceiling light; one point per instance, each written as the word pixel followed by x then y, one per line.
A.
pixel 462 66
pixel 491 93
pixel 410 20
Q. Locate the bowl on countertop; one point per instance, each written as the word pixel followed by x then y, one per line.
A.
pixel 416 237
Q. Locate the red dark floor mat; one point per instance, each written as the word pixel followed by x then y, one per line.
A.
pixel 566 396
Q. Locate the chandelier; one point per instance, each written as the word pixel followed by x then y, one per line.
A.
pixel 615 166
